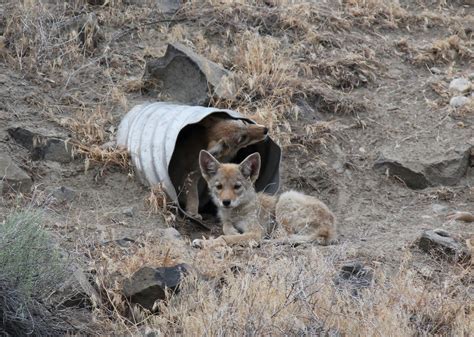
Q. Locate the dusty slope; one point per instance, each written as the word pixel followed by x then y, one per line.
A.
pixel 364 67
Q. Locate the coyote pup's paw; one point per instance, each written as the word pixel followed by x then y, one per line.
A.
pixel 211 243
pixel 198 243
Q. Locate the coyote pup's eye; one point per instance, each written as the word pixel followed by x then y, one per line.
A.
pixel 237 186
pixel 219 186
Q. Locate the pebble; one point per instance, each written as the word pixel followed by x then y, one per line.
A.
pixel 460 84
pixel 458 101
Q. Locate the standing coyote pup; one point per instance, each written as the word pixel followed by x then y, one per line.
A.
pixel 223 137
pixel 246 215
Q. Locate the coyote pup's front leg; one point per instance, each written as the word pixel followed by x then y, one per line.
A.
pixel 192 194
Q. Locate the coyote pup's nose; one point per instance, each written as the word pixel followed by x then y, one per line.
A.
pixel 265 131
pixel 226 202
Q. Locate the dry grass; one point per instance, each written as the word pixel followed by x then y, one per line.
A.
pixel 230 297
pixel 281 54
pixel 446 50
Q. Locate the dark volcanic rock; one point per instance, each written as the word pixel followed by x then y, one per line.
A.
pixel 419 171
pixel 148 285
pixel 354 276
pixel 441 244
pixel 12 177
pixel 42 147
pixel 186 77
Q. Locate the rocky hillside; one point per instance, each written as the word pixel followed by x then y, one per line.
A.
pixel 371 101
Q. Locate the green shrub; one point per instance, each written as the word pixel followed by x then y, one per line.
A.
pixel 28 259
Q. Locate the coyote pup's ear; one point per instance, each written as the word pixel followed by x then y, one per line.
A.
pixel 208 164
pixel 250 167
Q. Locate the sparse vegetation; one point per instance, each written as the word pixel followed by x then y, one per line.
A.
pixel 334 81
pixel 31 269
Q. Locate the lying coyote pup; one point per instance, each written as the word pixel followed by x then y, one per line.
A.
pixel 247 216
pixel 223 138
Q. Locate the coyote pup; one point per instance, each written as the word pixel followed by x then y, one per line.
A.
pixel 223 138
pixel 247 216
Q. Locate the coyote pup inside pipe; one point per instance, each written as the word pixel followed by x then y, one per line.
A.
pixel 223 138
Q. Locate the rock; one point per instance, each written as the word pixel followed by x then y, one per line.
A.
pixel 129 211
pixel 182 75
pixel 441 244
pixel 170 234
pixel 168 6
pixel 61 194
pixel 149 285
pixel 354 276
pixel 12 177
pixel 78 290
pixel 419 171
pixel 437 208
pixel 123 242
pixel 42 147
pixel 436 71
pixel 460 85
pixel 458 101
pixel 471 77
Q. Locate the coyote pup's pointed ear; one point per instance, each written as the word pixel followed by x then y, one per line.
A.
pixel 208 164
pixel 250 167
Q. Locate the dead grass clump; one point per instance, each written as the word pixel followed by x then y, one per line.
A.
pixel 445 51
pixel 105 157
pixel 44 37
pixel 347 72
pixel 326 99
pixel 89 124
pixel 157 202
pixel 367 13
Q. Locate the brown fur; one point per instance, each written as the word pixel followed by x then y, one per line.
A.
pixel 247 216
pixel 223 138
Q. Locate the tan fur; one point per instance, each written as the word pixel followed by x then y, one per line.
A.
pixel 247 216
pixel 461 216
pixel 223 138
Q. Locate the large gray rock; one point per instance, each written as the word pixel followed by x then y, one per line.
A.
pixel 12 177
pixel 441 244
pixel 424 170
pixel 149 285
pixel 41 146
pixel 186 77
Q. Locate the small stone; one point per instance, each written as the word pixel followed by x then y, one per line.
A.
pixel 170 234
pixel 426 273
pixel 437 208
pixel 436 71
pixel 471 76
pixel 441 244
pixel 458 101
pixel 61 194
pixel 148 285
pixel 129 211
pixel 354 276
pixel 12 177
pixel 460 84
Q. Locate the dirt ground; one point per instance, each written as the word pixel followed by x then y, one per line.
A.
pixel 379 93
